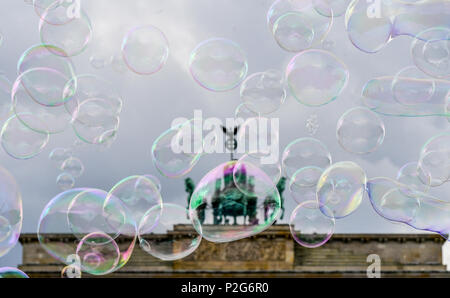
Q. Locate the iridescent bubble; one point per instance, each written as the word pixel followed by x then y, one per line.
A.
pixel 177 151
pixel 316 77
pixel 434 160
pixel 54 12
pixel 297 25
pixel 341 188
pixel 73 37
pixel 215 218
pixel 309 226
pixel 378 96
pixel 415 179
pixel 43 56
pixel 390 200
pixel 138 193
pixel 59 155
pixel 65 181
pixel 78 213
pixel 154 229
pixel 99 253
pixel 48 118
pixel 21 142
pixel 372 25
pixel 262 177
pixel 9 272
pixel 430 51
pixel 155 181
pixel 218 64
pixel 73 166
pixel 145 49
pixel 305 152
pixel 411 86
pixel 11 214
pixel 263 92
pixel 303 184
pixel 360 131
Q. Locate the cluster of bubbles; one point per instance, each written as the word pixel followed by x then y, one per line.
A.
pixel 104 227
pixel 70 166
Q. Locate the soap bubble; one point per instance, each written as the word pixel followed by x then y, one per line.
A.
pixel 309 226
pixel 303 184
pixel 59 155
pixel 415 179
pixel 434 159
pixel 360 131
pixel 218 64
pixel 82 215
pixel 155 233
pixel 65 181
pixel 46 56
pixel 262 177
pixel 138 193
pixel 316 77
pixel 411 86
pixel 341 188
pixel 169 153
pixel 54 12
pixel 368 29
pixel 73 166
pixel 21 142
pixel 378 96
pixel 297 25
pixel 99 253
pixel 231 215
pixel 73 37
pixel 11 214
pixel 9 272
pixel 390 199
pixel 155 181
pixel 145 49
pixel 430 51
pixel 263 92
pixel 303 153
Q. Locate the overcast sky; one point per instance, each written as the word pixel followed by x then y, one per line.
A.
pixel 152 102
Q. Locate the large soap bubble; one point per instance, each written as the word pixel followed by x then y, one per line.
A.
pixel 303 184
pixel 303 153
pixel 177 151
pixel 430 51
pixel 309 226
pixel 299 25
pixel 434 159
pixel 9 272
pixel 378 95
pixel 94 227
pixel 416 179
pixel 371 25
pixel 11 215
pixel 360 131
pixel 145 49
pixel 20 141
pixel 341 188
pixel 316 77
pixel 155 233
pixel 138 193
pixel 218 64
pixel 405 83
pixel 216 200
pixel 263 92
pixel 73 37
